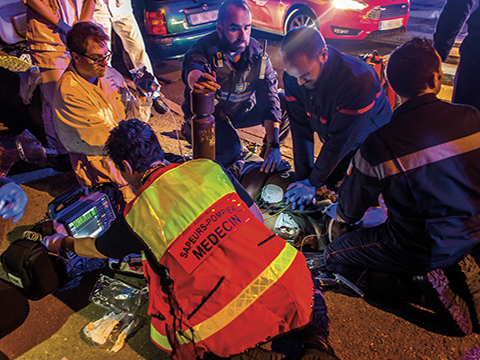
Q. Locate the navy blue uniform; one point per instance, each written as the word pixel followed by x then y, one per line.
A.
pixel 241 88
pixel 426 164
pixel 347 104
pixel 245 98
pixel 451 21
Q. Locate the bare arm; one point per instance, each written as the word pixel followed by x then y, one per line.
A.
pixel 87 10
pixel 41 10
pixel 272 130
pixel 272 156
pixel 84 247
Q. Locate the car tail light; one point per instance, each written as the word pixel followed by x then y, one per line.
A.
pixel 156 24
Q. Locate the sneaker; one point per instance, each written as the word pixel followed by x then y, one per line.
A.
pixel 471 270
pixel 465 279
pixel 438 296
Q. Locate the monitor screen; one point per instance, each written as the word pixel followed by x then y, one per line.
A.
pixel 87 225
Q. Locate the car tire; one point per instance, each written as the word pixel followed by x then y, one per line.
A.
pixel 300 17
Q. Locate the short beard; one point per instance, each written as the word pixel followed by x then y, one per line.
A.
pixel 225 44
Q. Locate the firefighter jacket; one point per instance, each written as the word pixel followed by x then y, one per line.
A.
pixel 347 104
pixel 235 283
pixel 426 164
pixel 241 84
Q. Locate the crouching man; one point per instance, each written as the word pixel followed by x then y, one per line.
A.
pixel 426 165
pixel 219 281
pixel 91 99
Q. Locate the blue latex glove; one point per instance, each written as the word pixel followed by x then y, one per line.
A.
pixel 63 27
pixel 54 242
pixel 272 160
pixel 299 194
pixel 13 201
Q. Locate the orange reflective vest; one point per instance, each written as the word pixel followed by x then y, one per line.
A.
pixel 236 284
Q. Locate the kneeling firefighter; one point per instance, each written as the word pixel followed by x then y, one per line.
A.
pixel 219 281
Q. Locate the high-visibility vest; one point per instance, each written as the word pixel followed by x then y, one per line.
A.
pixel 236 284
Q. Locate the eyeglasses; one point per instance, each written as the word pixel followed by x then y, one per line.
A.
pixel 100 60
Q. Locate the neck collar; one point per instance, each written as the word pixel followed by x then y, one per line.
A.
pixel 155 166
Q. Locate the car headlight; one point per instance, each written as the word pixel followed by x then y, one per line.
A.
pixel 348 5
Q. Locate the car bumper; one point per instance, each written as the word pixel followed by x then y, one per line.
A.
pixel 172 47
pixel 355 25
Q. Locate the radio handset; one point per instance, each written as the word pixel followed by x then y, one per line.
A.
pixel 263 61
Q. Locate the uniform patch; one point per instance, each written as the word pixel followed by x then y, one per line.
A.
pixel 240 88
pixel 208 232
pixel 350 168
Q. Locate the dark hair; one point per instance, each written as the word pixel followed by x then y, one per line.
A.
pixel 411 65
pixel 302 40
pixel 135 141
pixel 81 32
pixel 222 12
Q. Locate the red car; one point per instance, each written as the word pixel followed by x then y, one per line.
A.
pixel 336 19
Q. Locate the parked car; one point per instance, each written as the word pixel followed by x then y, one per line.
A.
pixel 13 21
pixel 336 19
pixel 171 27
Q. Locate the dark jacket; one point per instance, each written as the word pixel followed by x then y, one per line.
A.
pixel 451 21
pixel 241 87
pixel 347 104
pixel 426 164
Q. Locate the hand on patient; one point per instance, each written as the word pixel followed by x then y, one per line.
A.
pixel 300 194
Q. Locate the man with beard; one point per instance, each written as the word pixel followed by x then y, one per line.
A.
pixel 236 67
pixel 335 95
pixel 91 99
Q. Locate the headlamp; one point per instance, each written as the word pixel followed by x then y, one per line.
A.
pixel 349 4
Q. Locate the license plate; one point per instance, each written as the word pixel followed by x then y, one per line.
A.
pixel 390 24
pixel 203 17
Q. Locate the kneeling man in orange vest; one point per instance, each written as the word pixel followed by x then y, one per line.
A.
pixel 221 285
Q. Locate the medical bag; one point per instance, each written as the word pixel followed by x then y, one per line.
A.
pixel 379 64
pixel 32 269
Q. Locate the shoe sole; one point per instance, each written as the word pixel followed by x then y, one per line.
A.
pixel 471 270
pixel 454 304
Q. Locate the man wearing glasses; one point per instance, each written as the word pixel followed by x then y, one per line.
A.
pixel 91 99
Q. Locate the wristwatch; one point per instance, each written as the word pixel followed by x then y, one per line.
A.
pixel 273 145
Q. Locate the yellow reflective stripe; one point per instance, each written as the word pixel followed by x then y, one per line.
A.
pixel 246 298
pixel 160 339
pixel 174 201
pixel 419 158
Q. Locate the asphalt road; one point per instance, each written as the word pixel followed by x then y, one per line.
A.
pixel 53 326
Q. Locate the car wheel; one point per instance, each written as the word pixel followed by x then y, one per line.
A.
pixel 301 18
